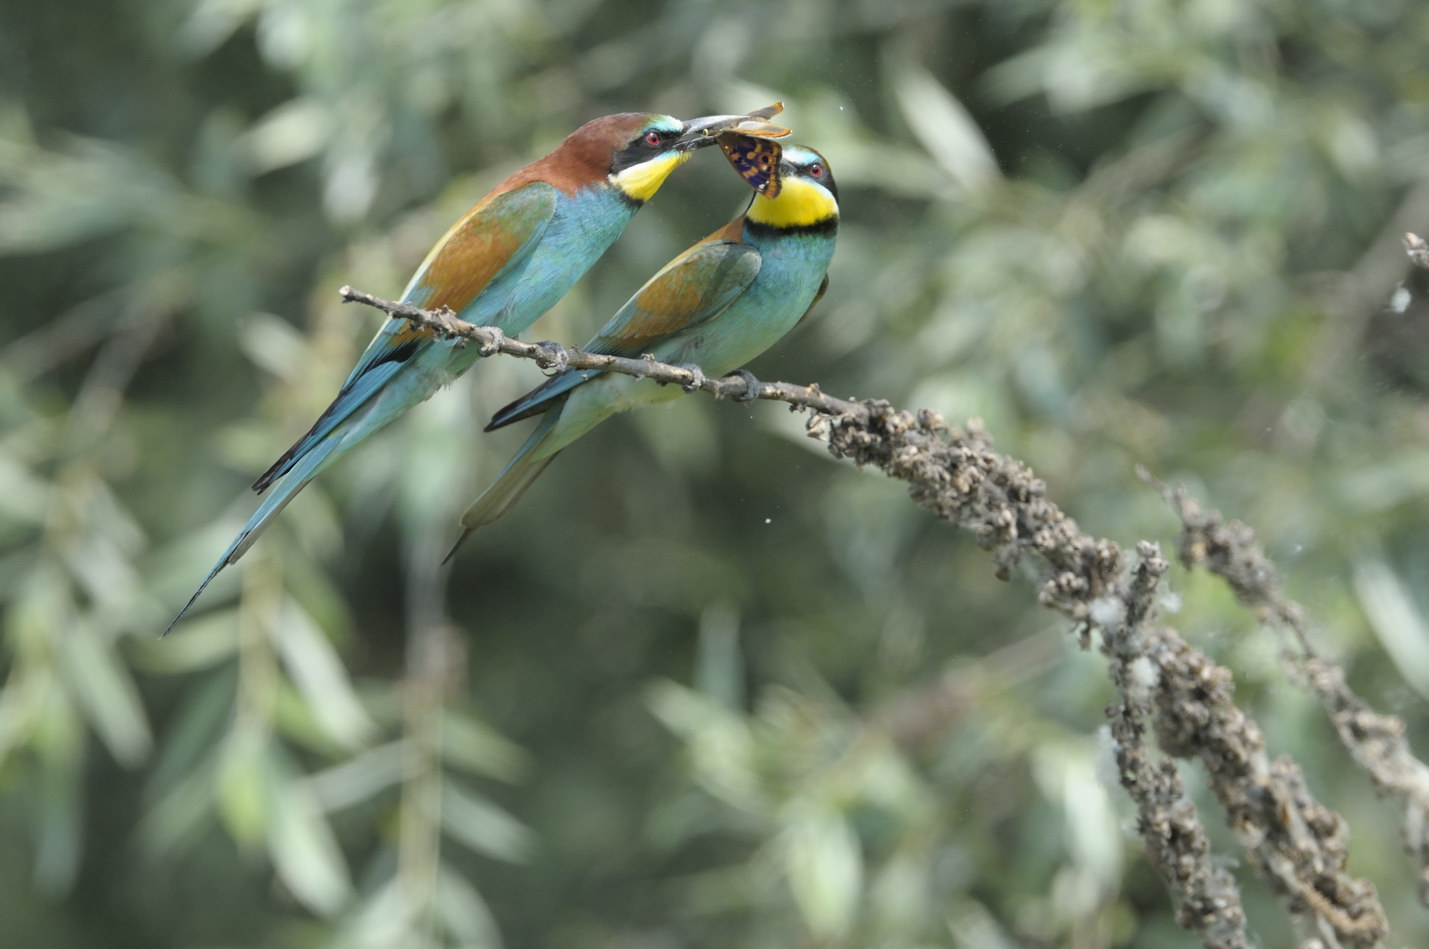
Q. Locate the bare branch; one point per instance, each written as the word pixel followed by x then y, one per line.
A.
pixel 550 355
pixel 1298 846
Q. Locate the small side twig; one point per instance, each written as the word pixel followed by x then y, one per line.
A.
pixel 1376 741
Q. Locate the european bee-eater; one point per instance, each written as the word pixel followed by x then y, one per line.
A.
pixel 506 262
pixel 719 304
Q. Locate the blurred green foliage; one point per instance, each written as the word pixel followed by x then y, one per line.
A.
pixel 704 687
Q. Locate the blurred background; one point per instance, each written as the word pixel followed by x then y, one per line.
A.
pixel 705 686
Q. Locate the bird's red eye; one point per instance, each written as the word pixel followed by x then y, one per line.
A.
pixel 816 170
pixel 652 138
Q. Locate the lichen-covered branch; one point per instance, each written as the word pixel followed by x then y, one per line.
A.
pixel 1164 685
pixel 1376 741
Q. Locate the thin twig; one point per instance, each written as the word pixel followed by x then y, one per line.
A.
pixel 552 355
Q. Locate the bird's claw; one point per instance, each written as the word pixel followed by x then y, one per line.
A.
pixel 753 388
pixel 697 376
pixel 553 355
pixel 493 346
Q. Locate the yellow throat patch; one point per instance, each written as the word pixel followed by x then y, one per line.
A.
pixel 640 182
pixel 799 204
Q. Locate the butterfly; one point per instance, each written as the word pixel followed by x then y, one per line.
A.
pixel 756 160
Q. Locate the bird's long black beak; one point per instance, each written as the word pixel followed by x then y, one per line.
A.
pixel 704 131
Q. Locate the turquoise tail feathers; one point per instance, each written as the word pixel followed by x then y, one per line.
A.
pixel 523 469
pixel 279 494
pixel 355 415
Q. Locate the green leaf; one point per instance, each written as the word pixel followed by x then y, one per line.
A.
pixel 825 871
pixel 103 686
pixel 58 827
pixel 464 914
pixel 241 785
pixel 361 777
pixel 943 124
pixel 482 826
pixel 471 744
pixel 304 851
pixel 322 679
pixel 1396 618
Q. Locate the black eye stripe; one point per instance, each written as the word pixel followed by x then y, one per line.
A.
pixel 639 149
pixel 815 170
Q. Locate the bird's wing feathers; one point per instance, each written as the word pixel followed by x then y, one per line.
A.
pixel 496 234
pixel 690 289
pixel 500 232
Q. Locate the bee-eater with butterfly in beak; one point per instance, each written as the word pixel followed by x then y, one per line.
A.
pixel 719 304
pixel 505 263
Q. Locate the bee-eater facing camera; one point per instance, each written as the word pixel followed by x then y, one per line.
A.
pixel 505 263
pixel 719 304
